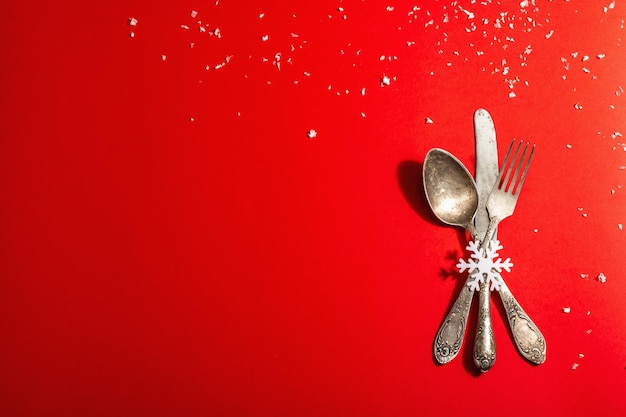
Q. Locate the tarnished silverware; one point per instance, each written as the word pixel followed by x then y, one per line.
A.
pixel 452 195
pixel 486 175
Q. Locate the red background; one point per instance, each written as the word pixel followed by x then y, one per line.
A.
pixel 172 242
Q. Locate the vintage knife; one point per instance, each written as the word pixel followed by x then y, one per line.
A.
pixel 486 174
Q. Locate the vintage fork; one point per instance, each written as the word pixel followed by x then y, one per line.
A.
pixel 500 205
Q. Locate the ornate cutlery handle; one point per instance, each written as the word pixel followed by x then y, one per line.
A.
pixel 528 338
pixel 450 335
pixel 484 344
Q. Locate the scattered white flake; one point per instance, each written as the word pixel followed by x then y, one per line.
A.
pixel 191 119
pixel 194 14
pixel 549 34
pixel 307 73
pixel 428 121
pixel 311 134
pixel 363 91
pixel 601 277
pixel 588 331
pixel 389 8
pixel 217 33
pixel 580 355
pixel 238 114
pixel 163 57
pixel 536 230
pixel 586 70
pixel 264 38
pixel 584 276
pixel 131 34
pixel 585 58
pixel 512 94
pixel 578 106
pixel 362 114
pixel 132 21
pixel 600 56
pixel 574 366
pixel 616 135
pixel 261 15
pixel 609 7
pixel 574 54
pixel 469 14
pixel 568 146
pixel 588 312
pixel 186 27
pixel 385 81
pixel 566 310
pixel 619 226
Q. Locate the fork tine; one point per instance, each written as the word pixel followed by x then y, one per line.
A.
pixel 521 181
pixel 512 188
pixel 511 165
pixel 503 166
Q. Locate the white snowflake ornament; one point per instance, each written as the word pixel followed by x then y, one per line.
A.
pixel 483 264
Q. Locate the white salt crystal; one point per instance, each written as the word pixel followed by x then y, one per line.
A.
pixel 163 57
pixel 584 276
pixel 600 56
pixel 574 366
pixel 193 14
pixel 132 21
pixel 265 38
pixel 585 58
pixel 566 310
pixel 385 80
pixel 311 134
pixel 549 34
pixel 601 277
pixel 580 355
pixel 428 121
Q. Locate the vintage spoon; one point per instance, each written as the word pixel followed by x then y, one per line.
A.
pixel 452 195
pixel 450 189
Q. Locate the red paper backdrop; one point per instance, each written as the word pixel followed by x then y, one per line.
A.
pixel 172 242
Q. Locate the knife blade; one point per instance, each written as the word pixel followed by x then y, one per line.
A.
pixel 486 174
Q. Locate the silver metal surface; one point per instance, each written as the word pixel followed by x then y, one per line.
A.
pixel 450 189
pixel 501 203
pixel 486 174
pixel 452 195
pixel 503 197
pixel 457 200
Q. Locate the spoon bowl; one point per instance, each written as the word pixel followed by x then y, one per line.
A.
pixel 450 189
